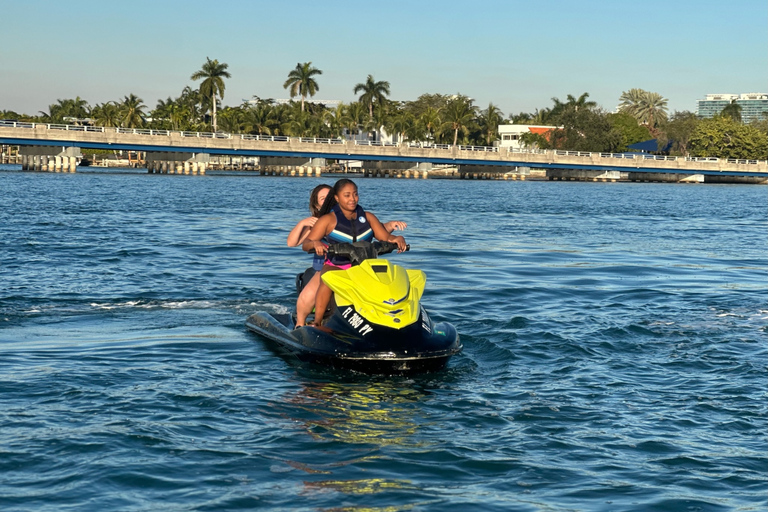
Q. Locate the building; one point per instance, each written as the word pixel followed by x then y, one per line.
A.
pixel 754 106
pixel 510 134
pixel 285 101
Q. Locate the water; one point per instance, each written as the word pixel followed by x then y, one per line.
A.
pixel 615 350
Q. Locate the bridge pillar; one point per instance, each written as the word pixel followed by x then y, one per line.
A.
pixel 169 162
pixel 48 158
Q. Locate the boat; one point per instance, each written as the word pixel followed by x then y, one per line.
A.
pixel 375 324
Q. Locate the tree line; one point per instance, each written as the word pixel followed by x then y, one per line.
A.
pixel 434 118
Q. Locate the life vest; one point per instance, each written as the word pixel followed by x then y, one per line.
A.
pixel 347 231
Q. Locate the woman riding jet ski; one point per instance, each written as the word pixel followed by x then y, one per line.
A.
pixel 376 323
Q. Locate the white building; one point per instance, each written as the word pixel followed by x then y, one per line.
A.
pixel 510 134
pixel 754 105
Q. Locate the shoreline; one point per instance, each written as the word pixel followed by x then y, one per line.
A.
pixel 531 175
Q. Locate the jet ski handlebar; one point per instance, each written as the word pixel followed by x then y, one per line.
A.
pixel 356 252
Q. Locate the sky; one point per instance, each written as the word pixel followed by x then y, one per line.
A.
pixel 516 54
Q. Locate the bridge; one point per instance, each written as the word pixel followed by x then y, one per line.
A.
pixel 181 151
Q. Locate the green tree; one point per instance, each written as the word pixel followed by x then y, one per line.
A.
pixel 402 123
pixel 191 99
pixel 489 121
pixel 459 116
pixel 436 102
pixel 75 109
pixel 106 114
pixel 301 81
pixel 304 124
pixel 10 114
pixel 631 132
pixel 333 119
pixel 649 108
pixel 232 120
pixel 679 129
pixel 260 119
pixel 373 92
pixel 212 75
pixel 354 118
pixel 132 112
pixel 732 110
pixel 429 120
pixel 584 130
pixel 724 137
pixel 571 103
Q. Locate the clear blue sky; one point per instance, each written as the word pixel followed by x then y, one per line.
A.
pixel 516 54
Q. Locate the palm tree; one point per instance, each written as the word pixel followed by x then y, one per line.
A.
pixel 541 117
pixel 490 118
pixel 380 118
pixel 373 92
pixel 232 120
pixel 301 82
pixel 430 121
pixel 649 108
pixel 213 74
pixel 132 111
pixel 653 110
pixel 75 108
pixel 732 110
pixel 304 124
pixel 106 114
pixel 402 124
pixel 260 119
pixel 354 118
pixel 571 102
pixel 629 100
pixel 580 102
pixel 458 116
pixel 335 119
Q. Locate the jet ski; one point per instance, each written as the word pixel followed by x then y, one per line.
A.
pixel 375 323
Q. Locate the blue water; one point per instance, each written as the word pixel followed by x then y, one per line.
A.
pixel 615 350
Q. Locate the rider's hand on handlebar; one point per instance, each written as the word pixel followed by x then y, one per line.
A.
pixel 400 241
pixel 320 248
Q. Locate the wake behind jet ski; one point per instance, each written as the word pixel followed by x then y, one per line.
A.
pixel 376 323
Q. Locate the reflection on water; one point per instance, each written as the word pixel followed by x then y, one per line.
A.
pixel 382 413
pixel 362 417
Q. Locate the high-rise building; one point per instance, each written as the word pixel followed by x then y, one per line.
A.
pixel 753 105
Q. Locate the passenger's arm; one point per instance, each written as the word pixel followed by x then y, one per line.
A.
pixel 300 231
pixel 322 227
pixel 395 225
pixel 381 233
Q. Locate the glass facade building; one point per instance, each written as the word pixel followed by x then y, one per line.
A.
pixel 754 106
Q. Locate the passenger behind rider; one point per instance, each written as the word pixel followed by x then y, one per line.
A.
pixel 306 298
pixel 342 219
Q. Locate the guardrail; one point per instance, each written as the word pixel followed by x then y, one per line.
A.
pixel 408 144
